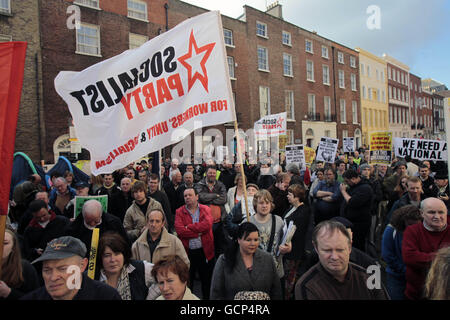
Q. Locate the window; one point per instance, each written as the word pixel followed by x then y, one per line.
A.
pixel 264 101
pixel 343 115
pixel 355 112
pixel 378 95
pixel 395 93
pixel 382 76
pixel 88 39
pixel 362 69
pixel 290 136
pixel 344 133
pixel 287 65
pixel 390 92
pixel 263 61
pixel 364 92
pixel 88 3
pixel 308 46
pixel 286 38
pixel 378 74
pixel 369 90
pixel 398 76
pixel 289 102
pixel 261 29
pixel 136 40
pixel 389 73
pixel 324 52
pixel 403 78
pixel 383 94
pixel 5 38
pixel 326 74
pixel 327 133
pixel 353 81
pixel 137 9
pixel 340 57
pixel 230 61
pixel 341 79
pixel 352 62
pixel 403 95
pixel 228 37
pixel 312 105
pixel 390 115
pixel 327 108
pixel 368 71
pixel 309 70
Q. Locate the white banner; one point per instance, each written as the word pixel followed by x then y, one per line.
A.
pixel 271 125
pixel 296 154
pixel 148 98
pixel 421 149
pixel 327 149
pixel 349 144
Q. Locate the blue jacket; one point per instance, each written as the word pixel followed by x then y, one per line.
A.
pixel 391 251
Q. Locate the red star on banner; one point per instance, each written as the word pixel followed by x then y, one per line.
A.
pixel 203 78
pixel 280 122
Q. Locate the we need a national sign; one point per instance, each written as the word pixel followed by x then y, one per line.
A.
pixel 150 97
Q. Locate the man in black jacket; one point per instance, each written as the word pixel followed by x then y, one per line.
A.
pixel 63 265
pixel 356 206
pixel 120 202
pixel 279 194
pixel 161 197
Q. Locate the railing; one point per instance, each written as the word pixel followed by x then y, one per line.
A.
pixel 329 118
pixel 313 116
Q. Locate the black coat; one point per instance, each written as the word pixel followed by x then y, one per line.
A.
pixel 227 177
pixel 30 282
pixel 175 196
pixel 162 198
pixel 280 200
pixel 120 205
pixel 357 210
pixel 300 218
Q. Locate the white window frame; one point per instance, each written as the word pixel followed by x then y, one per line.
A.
pixel 289 104
pixel 92 26
pixel 327 107
pixel 287 58
pixel 263 33
pixel 362 69
pixel 341 79
pixel 88 3
pixel 308 77
pixel 352 62
pixel 341 57
pixel 286 35
pixel 355 112
pixel 326 56
pixel 262 104
pixel 266 62
pixel 326 74
pixel 312 104
pixel 136 11
pixel 230 62
pixel 311 49
pixel 368 71
pixel 228 37
pixel 353 81
pixel 389 73
pixel 364 93
pixel 136 37
pixel 5 38
pixel 342 111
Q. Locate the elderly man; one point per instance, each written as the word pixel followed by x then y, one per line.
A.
pixel 334 277
pixel 328 197
pixel 213 193
pixel 61 195
pixel 63 265
pixel 420 243
pixel 134 221
pixel 93 217
pixel 155 243
pixel 120 202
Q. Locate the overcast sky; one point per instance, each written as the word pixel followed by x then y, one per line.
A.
pixel 415 32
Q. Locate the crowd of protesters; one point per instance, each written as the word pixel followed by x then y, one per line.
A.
pixel 293 231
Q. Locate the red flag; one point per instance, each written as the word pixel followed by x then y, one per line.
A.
pixel 12 61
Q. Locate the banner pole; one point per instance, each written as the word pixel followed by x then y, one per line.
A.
pixel 244 183
pixel 2 237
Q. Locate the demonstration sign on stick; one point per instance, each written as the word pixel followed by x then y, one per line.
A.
pixel 381 148
pixel 327 149
pixel 421 149
pixel 150 97
pixel 80 200
pixel 296 154
pixel 310 155
pixel 271 125
pixel 349 144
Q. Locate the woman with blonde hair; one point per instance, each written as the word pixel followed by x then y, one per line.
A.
pixel 437 284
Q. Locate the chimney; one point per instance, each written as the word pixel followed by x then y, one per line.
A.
pixel 275 10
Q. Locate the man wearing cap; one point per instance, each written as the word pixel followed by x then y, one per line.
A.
pixel 63 264
pixel 441 190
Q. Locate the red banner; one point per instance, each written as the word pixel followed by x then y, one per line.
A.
pixel 12 61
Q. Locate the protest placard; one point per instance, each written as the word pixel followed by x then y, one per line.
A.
pixel 327 149
pixel 310 155
pixel 380 148
pixel 349 144
pixel 80 200
pixel 147 98
pixel 296 154
pixel 421 149
pixel 271 125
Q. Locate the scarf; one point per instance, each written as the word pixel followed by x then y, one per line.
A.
pixel 123 284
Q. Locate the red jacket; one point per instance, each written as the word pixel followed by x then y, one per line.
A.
pixel 418 249
pixel 187 230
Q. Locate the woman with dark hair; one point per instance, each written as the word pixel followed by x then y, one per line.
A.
pixel 172 276
pixel 244 267
pixel 70 178
pixel 391 249
pixel 131 278
pixel 18 276
pixel 297 215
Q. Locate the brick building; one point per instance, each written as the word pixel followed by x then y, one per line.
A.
pixel 438 116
